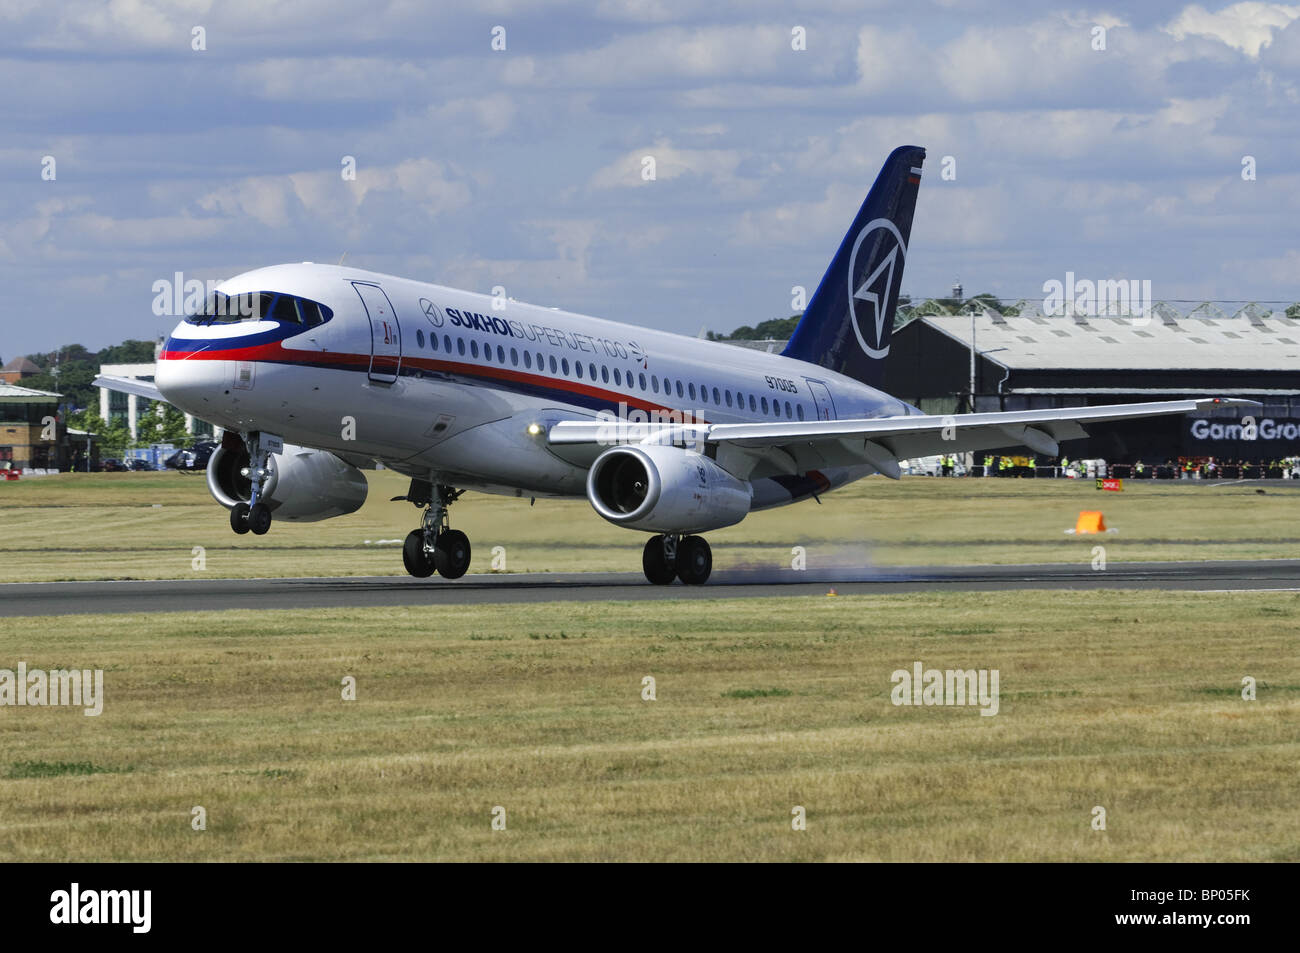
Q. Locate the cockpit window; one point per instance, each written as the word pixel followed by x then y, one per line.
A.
pixel 221 308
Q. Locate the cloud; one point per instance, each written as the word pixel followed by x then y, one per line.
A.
pixel 718 166
pixel 1247 26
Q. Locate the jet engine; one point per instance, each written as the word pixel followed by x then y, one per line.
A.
pixel 304 485
pixel 665 489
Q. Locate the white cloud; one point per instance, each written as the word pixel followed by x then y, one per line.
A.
pixel 716 165
pixel 1247 26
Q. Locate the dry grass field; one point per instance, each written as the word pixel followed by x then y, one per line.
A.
pixel 1125 700
pixel 146 525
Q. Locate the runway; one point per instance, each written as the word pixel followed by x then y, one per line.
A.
pixel 211 595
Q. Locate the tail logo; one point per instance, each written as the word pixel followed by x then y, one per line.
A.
pixel 870 295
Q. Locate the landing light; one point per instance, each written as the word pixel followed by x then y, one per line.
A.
pixel 534 430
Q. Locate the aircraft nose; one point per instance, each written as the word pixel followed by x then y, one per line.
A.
pixel 195 386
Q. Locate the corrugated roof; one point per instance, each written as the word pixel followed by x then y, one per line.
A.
pixel 13 391
pixel 1027 343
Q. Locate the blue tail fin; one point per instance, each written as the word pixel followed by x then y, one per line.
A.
pixel 848 323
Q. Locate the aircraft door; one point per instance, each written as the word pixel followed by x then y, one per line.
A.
pixel 821 396
pixel 385 333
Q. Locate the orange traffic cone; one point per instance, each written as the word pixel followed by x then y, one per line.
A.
pixel 1090 521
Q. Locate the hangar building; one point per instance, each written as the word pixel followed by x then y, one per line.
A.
pixel 1029 361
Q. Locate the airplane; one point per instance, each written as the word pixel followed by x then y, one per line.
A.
pixel 318 371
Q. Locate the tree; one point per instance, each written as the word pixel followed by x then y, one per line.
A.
pixel 162 423
pixel 114 438
pixel 128 352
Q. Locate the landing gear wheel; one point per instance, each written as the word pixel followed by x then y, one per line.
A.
pixel 655 564
pixel 239 518
pixel 694 560
pixel 451 555
pixel 259 518
pixel 418 563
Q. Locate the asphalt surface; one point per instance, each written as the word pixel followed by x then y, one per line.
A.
pixel 208 595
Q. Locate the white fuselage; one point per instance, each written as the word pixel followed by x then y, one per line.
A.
pixel 460 388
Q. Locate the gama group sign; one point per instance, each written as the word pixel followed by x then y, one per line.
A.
pixel 1277 430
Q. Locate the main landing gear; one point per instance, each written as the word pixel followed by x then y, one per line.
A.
pixel 672 556
pixel 435 547
pixel 255 515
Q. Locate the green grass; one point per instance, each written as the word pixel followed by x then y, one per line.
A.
pixel 1128 700
pixel 51 769
pixel 147 525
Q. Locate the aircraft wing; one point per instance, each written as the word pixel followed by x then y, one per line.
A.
pixel 764 449
pixel 128 385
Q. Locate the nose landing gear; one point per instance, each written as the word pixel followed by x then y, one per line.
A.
pixel 255 515
pixel 435 547
pixel 670 556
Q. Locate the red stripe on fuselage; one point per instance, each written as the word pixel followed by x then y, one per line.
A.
pixel 274 353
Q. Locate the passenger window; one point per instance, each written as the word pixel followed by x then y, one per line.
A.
pixel 604 373
pixel 679 390
pixel 446 343
pixel 528 359
pixel 787 410
pixel 798 408
pixel 717 398
pixel 752 408
pixel 419 338
pixel 641 378
pixel 577 367
pixel 514 358
pixel 691 390
pixel 728 393
pixel 473 348
pixel 764 405
pixel 460 346
pixel 433 342
pixel 553 364
pixel 618 378
pixel 501 354
pixel 654 383
pixel 564 363
pixel 592 369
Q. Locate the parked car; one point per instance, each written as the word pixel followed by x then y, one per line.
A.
pixel 113 465
pixel 139 463
pixel 191 458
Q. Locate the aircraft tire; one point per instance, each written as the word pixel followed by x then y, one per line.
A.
pixel 259 519
pixel 417 562
pixel 452 554
pixel 654 565
pixel 694 560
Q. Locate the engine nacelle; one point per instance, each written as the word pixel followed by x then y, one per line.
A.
pixel 304 485
pixel 665 490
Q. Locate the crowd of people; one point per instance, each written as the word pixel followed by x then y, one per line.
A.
pixel 1182 468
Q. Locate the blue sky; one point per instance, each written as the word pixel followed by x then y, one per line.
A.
pixel 522 167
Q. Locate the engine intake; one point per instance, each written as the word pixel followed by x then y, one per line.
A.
pixel 665 490
pixel 304 485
